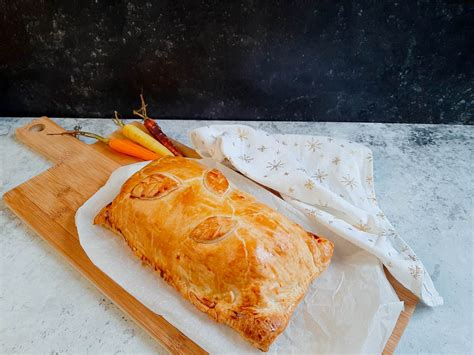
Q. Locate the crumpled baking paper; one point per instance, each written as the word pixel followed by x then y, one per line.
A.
pixel 350 308
pixel 331 180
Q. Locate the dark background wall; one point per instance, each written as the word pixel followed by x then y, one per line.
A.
pixel 405 61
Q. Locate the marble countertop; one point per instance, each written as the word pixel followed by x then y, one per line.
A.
pixel 424 184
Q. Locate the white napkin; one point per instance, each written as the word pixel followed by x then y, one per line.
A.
pixel 330 180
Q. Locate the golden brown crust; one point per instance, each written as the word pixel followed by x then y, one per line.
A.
pixel 234 258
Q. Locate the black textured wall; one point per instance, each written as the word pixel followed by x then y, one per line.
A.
pixel 405 61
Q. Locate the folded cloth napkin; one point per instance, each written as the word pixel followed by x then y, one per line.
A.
pixel 331 180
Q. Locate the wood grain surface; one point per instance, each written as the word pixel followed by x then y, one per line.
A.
pixel 48 204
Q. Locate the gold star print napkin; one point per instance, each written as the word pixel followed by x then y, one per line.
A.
pixel 330 180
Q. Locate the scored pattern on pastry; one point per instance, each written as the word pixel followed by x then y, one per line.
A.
pixel 213 229
pixel 234 258
pixel 203 304
pixel 153 187
pixel 216 182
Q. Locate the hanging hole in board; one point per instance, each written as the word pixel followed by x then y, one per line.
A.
pixel 37 127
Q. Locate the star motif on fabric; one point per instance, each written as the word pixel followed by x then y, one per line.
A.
pixel 329 139
pixel 286 173
pixel 323 204
pixel 342 145
pixel 380 214
pixel 336 161
pixel 296 144
pixel 275 165
pixel 389 264
pixel 302 169
pixel 412 257
pixel 415 271
pixel 349 182
pixel 291 190
pixel 369 157
pixel 389 233
pixel 284 143
pixel 246 158
pixel 262 148
pixel 370 180
pixel 317 213
pixel 313 212
pixel 364 227
pixel 309 184
pixel 320 175
pixel 243 134
pixel 313 145
pixel 372 199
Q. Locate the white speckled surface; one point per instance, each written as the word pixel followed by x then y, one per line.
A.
pixel 424 184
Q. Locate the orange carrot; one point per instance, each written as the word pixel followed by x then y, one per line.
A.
pixel 135 150
pixel 124 146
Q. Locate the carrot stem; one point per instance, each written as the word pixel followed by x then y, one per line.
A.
pixel 142 111
pixel 81 133
pixel 117 120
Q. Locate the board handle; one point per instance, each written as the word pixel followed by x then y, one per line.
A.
pixel 55 148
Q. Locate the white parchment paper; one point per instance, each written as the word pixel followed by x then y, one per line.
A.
pixel 350 308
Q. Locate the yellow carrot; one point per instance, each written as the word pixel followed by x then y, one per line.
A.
pixel 138 136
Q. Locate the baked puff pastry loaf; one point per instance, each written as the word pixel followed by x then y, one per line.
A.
pixel 234 258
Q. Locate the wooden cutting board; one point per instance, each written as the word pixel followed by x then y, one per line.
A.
pixel 48 204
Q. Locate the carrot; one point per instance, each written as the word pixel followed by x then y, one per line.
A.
pixel 138 136
pixel 120 145
pixel 128 147
pixel 155 130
